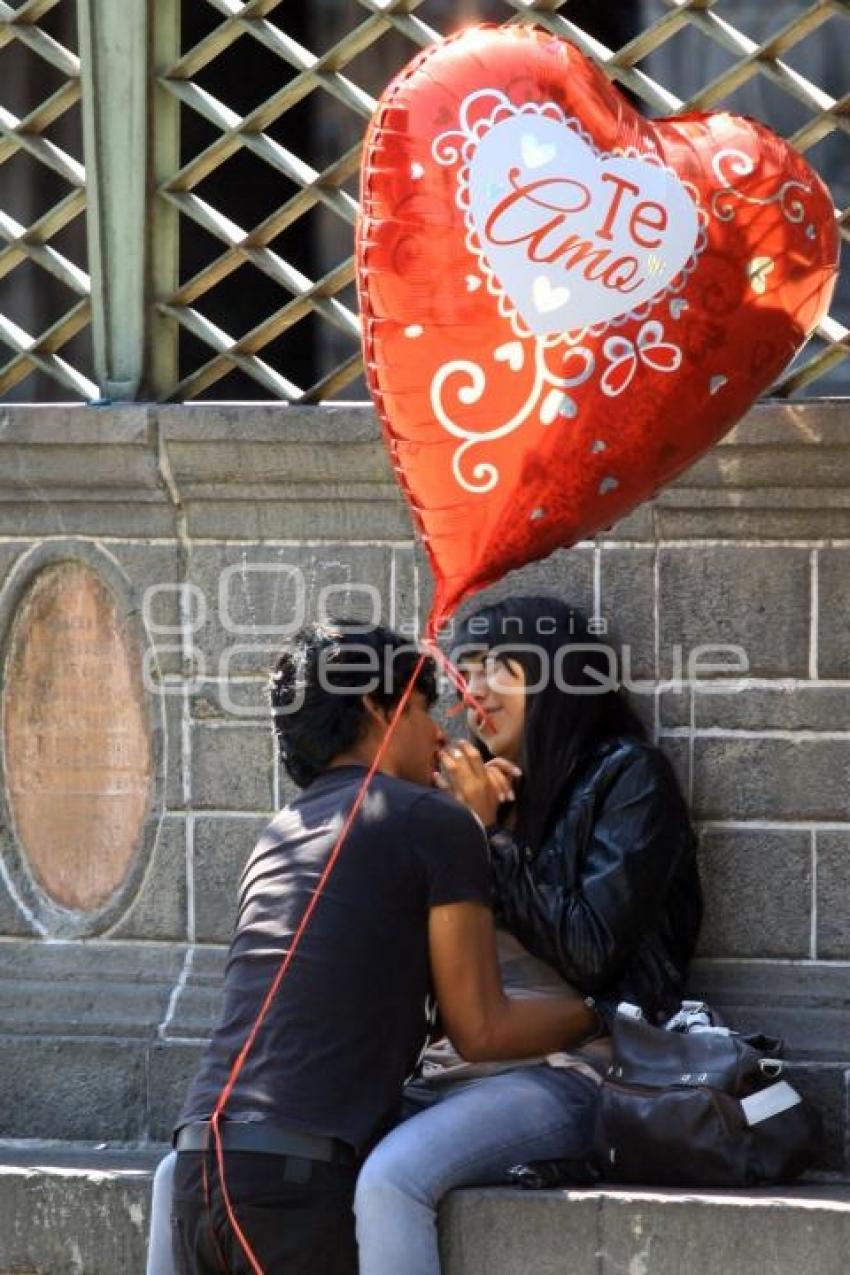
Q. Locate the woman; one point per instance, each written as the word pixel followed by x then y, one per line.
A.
pixel 595 885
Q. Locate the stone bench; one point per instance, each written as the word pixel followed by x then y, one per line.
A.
pixel 78 1210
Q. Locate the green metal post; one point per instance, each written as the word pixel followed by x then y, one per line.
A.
pixel 114 57
pixel 162 372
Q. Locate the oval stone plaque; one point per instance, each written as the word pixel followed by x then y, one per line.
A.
pixel 77 748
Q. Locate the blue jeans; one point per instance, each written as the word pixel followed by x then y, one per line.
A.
pixel 470 1133
pixel 160 1251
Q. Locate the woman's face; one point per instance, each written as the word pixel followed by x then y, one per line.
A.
pixel 498 683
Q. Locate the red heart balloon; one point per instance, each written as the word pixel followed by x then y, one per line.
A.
pixel 565 304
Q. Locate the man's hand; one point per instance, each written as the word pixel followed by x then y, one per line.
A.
pixel 483 788
pixel 483 1023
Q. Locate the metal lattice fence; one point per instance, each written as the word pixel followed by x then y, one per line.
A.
pixel 229 274
pixel 46 290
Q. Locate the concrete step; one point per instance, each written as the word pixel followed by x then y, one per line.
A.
pixel 795 1231
pixel 74 1209
pixel 79 1210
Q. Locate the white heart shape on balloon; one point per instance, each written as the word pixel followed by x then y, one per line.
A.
pixel 511 353
pixel 533 154
pixel 587 242
pixel 547 296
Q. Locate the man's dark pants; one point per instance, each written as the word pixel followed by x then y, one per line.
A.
pixel 296 1214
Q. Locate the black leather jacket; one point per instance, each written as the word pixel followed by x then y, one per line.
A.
pixel 612 899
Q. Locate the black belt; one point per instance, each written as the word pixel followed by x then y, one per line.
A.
pixel 267 1139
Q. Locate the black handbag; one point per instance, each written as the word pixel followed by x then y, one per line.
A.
pixel 701 1107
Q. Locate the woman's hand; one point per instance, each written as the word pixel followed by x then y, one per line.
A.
pixel 483 788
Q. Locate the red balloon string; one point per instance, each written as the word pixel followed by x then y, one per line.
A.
pixel 287 961
pixel 461 685
pixel 208 1205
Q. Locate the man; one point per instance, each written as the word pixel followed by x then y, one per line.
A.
pixel 405 912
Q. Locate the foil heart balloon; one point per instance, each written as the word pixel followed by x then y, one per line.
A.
pixel 565 304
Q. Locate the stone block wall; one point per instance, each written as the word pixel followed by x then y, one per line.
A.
pixel 213 529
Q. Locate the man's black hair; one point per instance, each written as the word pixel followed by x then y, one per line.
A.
pixel 561 728
pixel 318 685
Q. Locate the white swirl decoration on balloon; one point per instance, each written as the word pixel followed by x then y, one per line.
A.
pixel 459 385
pixel 450 147
pixel 484 475
pixel 731 165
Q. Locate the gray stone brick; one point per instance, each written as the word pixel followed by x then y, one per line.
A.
pixel 714 1234
pixel 174 761
pixel 807 1003
pixel 48 470
pixel 771 778
pixel 723 521
pixel 191 430
pixel 303 474
pixel 159 909
pixel 755 598
pixel 778 707
pixel 221 848
pixel 677 749
pixel 243 702
pixel 88 990
pixel 825 1086
pixel 9 554
pixel 331 514
pixel 567 574
pixel 198 1005
pixel 222 444
pixel 287 789
pixel 757 888
pixel 834 612
pixel 628 593
pixel 758 473
pixel 643 705
pixel 232 767
pixel 498 1230
pixel 38 425
pixel 833 871
pixel 675 707
pixel 90 517
pixel 777 423
pixel 67 1213
pixel 172 1065
pixel 424 583
pixel 155 574
pixel 14 920
pixel 405 611
pixel 86 1089
pixel 638 525
pixel 248 588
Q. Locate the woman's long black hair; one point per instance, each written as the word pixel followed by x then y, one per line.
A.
pixel 562 726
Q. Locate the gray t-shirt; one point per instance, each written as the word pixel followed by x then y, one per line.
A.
pixel 522 975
